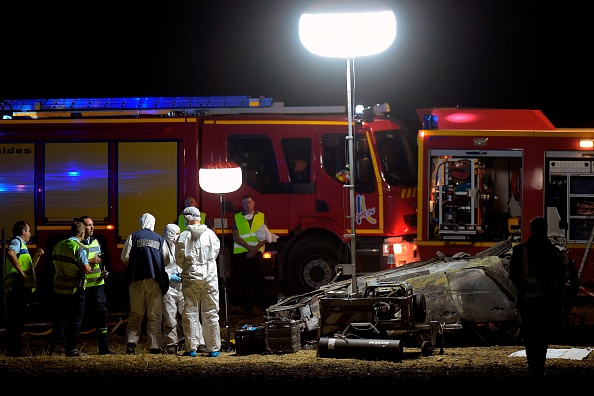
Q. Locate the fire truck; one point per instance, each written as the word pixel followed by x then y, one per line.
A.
pixel 485 173
pixel 115 158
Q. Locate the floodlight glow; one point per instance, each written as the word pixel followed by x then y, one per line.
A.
pixel 347 29
pixel 220 177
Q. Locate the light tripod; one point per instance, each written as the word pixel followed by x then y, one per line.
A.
pixel 223 268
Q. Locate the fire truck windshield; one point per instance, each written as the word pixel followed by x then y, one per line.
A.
pixel 398 157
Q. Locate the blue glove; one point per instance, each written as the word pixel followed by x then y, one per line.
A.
pixel 175 278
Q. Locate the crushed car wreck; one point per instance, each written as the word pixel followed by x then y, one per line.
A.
pixel 465 299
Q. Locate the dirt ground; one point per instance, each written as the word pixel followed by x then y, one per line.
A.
pixel 451 366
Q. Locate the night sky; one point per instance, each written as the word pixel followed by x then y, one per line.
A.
pixel 481 53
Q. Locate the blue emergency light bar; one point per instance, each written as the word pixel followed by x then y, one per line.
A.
pixel 182 102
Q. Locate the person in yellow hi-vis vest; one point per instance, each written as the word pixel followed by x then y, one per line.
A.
pixel 181 221
pixel 19 285
pixel 247 252
pixel 95 300
pixel 72 265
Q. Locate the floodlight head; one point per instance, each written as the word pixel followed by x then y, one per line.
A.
pixel 220 177
pixel 347 28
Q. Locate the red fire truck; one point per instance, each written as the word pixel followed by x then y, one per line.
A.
pixel 484 173
pixel 114 159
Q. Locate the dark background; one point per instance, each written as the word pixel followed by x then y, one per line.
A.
pixel 488 53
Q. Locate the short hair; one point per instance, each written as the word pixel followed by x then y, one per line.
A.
pixel 19 227
pixel 82 218
pixel 77 228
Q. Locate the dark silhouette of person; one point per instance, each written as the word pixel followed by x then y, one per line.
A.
pixel 537 269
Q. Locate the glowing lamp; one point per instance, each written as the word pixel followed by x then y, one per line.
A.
pixel 347 28
pixel 586 143
pixel 220 177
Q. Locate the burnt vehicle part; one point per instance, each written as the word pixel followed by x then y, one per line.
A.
pixel 470 298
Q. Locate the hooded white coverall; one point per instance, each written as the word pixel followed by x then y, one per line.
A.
pixel 173 300
pixel 197 251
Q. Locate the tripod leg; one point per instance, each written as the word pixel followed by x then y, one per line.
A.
pixel 227 316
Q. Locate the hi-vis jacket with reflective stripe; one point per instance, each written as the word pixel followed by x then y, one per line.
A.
pixel 93 249
pixel 246 232
pixel 26 264
pixel 68 275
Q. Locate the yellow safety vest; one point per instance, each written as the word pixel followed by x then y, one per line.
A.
pixel 94 278
pixel 68 277
pixel 181 221
pixel 246 233
pixel 26 264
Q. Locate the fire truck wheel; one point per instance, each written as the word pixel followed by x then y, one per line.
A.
pixel 311 263
pixel 420 308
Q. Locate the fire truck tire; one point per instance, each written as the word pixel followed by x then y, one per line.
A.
pixel 311 263
pixel 420 308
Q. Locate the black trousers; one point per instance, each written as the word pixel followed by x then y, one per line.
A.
pixel 68 315
pixel 96 305
pixel 17 308
pixel 251 273
pixel 539 322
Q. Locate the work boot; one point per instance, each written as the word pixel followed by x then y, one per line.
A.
pixel 74 352
pixel 130 349
pixel 107 350
pixel 104 347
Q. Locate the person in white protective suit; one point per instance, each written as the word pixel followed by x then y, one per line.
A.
pixel 197 251
pixel 173 300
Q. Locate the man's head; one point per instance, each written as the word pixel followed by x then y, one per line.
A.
pixel 190 201
pixel 22 229
pixel 248 204
pixel 538 227
pixel 78 230
pixel 89 225
pixel 192 215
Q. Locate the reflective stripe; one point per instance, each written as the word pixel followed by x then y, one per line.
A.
pixel 68 274
pixel 94 278
pixel 26 264
pixel 247 233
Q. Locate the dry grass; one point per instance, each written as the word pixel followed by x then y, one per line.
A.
pixel 484 365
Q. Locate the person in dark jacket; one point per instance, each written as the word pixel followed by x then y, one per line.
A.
pixel 144 255
pixel 537 269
